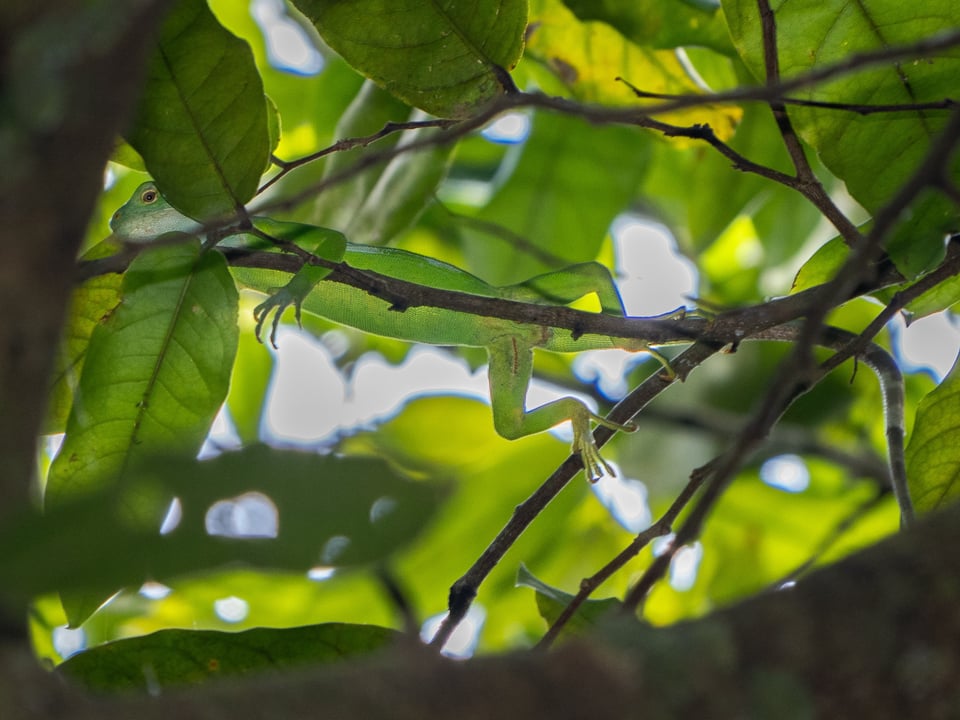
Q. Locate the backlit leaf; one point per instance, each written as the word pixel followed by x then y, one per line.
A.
pixel 933 453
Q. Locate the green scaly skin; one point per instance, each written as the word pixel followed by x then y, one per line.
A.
pixel 509 344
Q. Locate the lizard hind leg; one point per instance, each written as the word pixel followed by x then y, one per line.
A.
pixel 511 368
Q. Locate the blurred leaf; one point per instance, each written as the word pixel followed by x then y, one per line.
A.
pixel 589 57
pixel 182 657
pixel 310 510
pixel 201 123
pixel 660 23
pixel 250 378
pixel 933 453
pixel 405 187
pixel 551 602
pixel 560 197
pixel 822 265
pixel 443 57
pixel 944 295
pixel 873 154
pixel 369 112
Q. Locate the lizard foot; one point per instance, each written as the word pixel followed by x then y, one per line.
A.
pixel 594 466
pixel 276 303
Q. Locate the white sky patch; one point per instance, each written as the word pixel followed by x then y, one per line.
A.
pixel 653 277
pixel 684 566
pixel 222 436
pixel 152 590
pixel 463 641
pixel 508 129
pixel 625 499
pixel 930 343
pixel 67 641
pixel 309 401
pixel 251 515
pixel 288 46
pixel 305 403
pixel 231 609
pixel 786 472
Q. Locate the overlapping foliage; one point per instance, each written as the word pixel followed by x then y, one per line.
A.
pixel 149 361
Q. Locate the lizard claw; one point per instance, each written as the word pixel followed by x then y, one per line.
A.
pixel 276 304
pixel 594 466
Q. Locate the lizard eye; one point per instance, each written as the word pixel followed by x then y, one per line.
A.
pixel 149 196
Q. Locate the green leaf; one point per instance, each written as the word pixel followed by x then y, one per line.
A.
pixel 660 23
pixel 180 657
pixel 551 602
pixel 317 510
pixel 91 304
pixel 822 265
pixel 156 370
pixel 559 198
pixel 201 123
pixel 873 154
pixel 933 453
pixel 589 57
pixel 155 374
pixel 443 57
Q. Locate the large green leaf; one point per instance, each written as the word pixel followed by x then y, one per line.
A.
pixel 180 657
pixel 873 154
pixel 156 370
pixel 266 508
pixel 155 374
pixel 660 23
pixel 201 123
pixel 91 303
pixel 444 57
pixel 370 111
pixel 589 56
pixel 933 454
pixel 571 181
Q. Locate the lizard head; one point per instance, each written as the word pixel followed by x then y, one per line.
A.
pixel 147 215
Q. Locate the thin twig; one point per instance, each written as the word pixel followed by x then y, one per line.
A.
pixel 287 166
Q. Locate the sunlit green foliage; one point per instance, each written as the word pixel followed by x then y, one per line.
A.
pixel 149 360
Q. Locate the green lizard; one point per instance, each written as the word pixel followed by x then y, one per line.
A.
pixel 509 344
